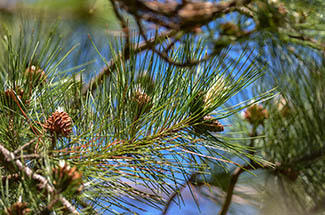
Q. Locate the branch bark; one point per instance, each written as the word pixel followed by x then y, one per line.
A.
pixel 180 16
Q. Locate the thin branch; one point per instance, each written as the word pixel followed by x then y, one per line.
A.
pixel 172 197
pixel 303 38
pixel 25 145
pixel 106 71
pixel 10 157
pixel 309 158
pixel 28 156
pixel 180 16
pixel 125 28
pixel 230 191
pixel 234 177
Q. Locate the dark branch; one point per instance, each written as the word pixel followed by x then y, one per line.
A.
pixel 180 16
pixel 106 71
pixel 230 191
pixel 172 197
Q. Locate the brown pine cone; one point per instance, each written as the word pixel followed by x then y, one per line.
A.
pixel 142 100
pixel 209 124
pixel 59 123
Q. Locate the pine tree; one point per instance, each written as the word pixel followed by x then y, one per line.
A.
pixel 153 119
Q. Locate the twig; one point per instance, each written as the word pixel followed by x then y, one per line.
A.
pixel 234 177
pixel 171 198
pixel 10 157
pixel 309 158
pixel 106 71
pixel 230 191
pixel 180 15
pixel 25 145
pixel 125 28
pixel 28 156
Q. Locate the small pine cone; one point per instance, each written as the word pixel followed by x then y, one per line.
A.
pixel 143 101
pixel 65 177
pixel 59 123
pixel 209 124
pixel 18 208
pixel 35 75
pixel 11 97
pixel 212 124
pixel 230 29
pixel 256 114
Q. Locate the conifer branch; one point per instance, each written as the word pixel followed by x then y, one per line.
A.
pixel 10 157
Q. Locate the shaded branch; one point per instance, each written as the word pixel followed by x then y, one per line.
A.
pixel 180 16
pixel 309 158
pixel 230 191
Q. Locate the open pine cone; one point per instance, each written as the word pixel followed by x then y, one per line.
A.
pixel 59 123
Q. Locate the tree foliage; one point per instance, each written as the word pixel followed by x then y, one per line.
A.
pixel 79 139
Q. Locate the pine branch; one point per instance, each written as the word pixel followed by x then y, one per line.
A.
pixel 234 177
pixel 309 158
pixel 10 157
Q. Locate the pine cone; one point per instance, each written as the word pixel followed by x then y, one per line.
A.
pixel 35 76
pixel 212 124
pixel 18 208
pixel 10 97
pixel 230 29
pixel 256 114
pixel 209 124
pixel 143 101
pixel 65 177
pixel 59 124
